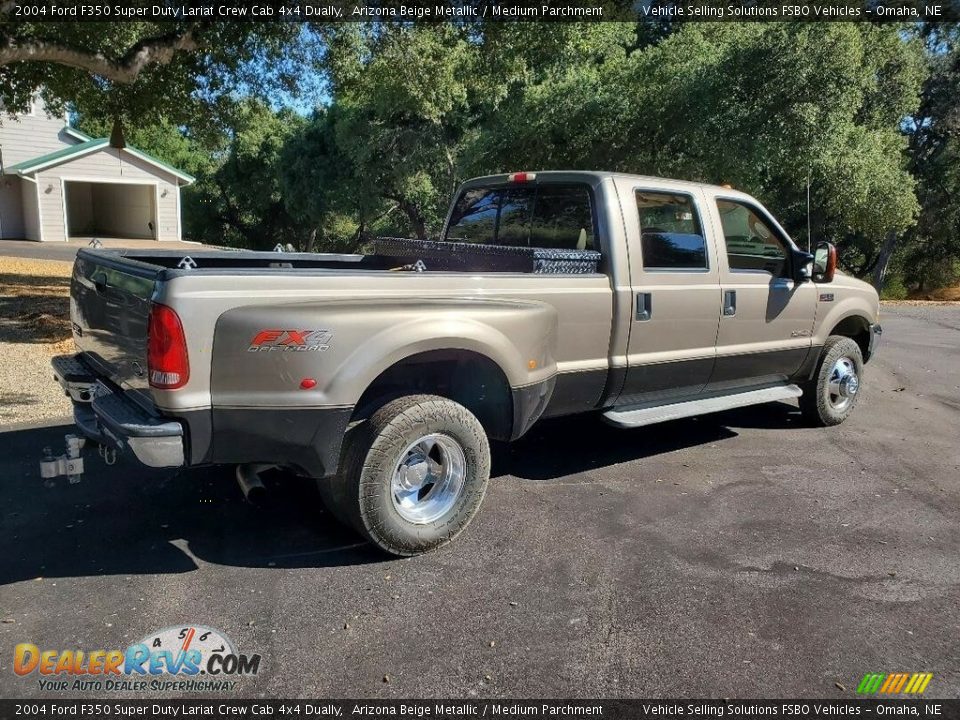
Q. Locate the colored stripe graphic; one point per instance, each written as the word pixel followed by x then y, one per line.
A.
pixel 894 683
pixel 870 683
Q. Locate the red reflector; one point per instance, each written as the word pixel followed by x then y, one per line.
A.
pixel 167 364
pixel 521 177
pixel 308 383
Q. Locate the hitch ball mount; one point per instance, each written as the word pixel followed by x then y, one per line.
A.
pixel 71 463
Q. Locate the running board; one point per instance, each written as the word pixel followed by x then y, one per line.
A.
pixel 628 418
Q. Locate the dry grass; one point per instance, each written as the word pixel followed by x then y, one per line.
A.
pixel 950 294
pixel 35 302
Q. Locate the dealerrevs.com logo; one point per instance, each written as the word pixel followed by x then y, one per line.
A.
pixel 182 659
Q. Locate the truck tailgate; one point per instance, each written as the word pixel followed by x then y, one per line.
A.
pixel 109 310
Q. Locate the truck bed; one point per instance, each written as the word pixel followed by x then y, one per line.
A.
pixel 390 254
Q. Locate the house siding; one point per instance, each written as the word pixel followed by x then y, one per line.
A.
pixel 31 215
pixel 29 136
pixel 11 208
pixel 107 165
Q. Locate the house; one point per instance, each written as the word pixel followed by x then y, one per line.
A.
pixel 57 184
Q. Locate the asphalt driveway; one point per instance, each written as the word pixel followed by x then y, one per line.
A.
pixel 735 555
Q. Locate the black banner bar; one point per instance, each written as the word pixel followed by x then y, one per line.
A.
pixel 482 10
pixel 492 709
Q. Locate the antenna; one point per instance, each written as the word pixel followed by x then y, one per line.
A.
pixel 809 237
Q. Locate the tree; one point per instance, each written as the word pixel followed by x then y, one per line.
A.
pixel 931 253
pixel 182 72
pixel 402 112
pixel 241 203
pixel 756 105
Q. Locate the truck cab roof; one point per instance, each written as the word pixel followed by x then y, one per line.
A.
pixel 594 177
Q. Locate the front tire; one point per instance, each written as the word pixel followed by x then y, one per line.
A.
pixel 831 396
pixel 413 476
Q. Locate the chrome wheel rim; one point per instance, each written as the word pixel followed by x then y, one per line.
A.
pixel 843 384
pixel 428 479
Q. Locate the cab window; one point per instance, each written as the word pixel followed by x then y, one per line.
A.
pixel 541 216
pixel 752 244
pixel 670 234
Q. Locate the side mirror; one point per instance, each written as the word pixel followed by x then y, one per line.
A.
pixel 824 262
pixel 802 263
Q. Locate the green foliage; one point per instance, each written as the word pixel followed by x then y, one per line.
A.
pixel 932 246
pixel 868 112
pixel 93 67
pixel 894 288
pixel 241 203
pixel 755 105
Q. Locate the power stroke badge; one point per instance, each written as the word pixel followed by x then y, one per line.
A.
pixel 291 341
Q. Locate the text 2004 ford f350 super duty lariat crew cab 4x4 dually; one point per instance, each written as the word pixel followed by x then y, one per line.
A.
pixel 384 375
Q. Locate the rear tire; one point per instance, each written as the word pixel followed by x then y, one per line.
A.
pixel 412 476
pixel 832 394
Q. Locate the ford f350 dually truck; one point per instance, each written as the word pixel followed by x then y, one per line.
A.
pixel 384 376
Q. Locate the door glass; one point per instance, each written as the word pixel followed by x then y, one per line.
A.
pixel 752 245
pixel 670 232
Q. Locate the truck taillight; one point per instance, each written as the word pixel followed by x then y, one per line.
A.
pixel 167 365
pixel 521 177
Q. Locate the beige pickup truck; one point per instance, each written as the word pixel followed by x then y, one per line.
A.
pixel 384 376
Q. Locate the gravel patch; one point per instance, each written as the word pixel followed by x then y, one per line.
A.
pixel 34 326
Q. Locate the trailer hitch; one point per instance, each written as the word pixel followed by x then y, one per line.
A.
pixel 69 464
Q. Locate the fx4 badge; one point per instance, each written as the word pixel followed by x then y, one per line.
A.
pixel 291 341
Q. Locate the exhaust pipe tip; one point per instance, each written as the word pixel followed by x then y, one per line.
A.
pixel 248 478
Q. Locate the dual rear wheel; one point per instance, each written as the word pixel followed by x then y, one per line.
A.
pixel 412 476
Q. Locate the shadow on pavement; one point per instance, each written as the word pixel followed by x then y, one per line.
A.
pixel 565 446
pixel 125 519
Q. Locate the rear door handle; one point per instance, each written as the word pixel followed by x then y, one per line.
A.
pixel 729 303
pixel 644 306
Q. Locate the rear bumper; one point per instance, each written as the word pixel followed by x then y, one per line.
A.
pixel 109 418
pixel 307 439
pixel 157 442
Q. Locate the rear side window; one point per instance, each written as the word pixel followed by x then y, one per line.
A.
pixel 670 234
pixel 543 216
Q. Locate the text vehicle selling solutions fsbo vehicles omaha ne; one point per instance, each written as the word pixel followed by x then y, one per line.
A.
pixel 384 376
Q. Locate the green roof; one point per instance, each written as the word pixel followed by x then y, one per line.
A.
pixel 77 133
pixel 54 158
pixel 166 166
pixel 50 158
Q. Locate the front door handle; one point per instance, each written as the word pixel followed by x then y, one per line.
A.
pixel 644 306
pixel 729 303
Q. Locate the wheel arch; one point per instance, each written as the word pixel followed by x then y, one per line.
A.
pixel 856 327
pixel 466 376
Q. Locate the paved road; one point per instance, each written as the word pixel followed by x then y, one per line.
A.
pixel 736 555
